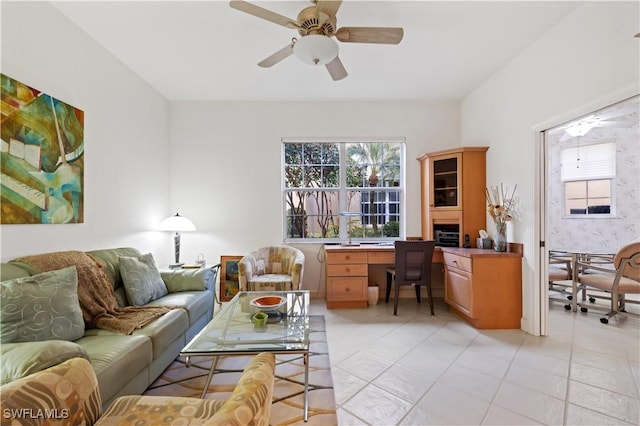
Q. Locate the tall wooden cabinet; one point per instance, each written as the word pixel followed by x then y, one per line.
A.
pixel 452 193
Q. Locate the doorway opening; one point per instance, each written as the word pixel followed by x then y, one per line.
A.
pixel 591 191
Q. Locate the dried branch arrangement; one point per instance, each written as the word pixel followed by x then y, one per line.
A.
pixel 500 204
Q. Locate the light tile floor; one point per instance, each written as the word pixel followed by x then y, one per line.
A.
pixel 415 369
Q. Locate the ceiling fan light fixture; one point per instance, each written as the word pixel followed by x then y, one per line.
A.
pixel 580 129
pixel 316 49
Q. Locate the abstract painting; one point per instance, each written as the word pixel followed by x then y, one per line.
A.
pixel 42 173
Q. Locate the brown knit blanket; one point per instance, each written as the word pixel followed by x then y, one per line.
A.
pixel 95 293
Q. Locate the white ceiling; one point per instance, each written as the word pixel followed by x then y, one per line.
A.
pixel 205 50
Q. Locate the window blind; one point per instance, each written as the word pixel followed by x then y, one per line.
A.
pixel 587 162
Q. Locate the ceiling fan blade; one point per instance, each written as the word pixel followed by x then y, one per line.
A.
pixel 336 69
pixel 280 55
pixel 615 113
pixel 330 7
pixel 382 35
pixel 263 13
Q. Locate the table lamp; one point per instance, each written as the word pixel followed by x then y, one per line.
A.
pixel 349 215
pixel 178 224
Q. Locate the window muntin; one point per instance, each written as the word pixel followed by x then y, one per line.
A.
pixel 324 179
pixel 587 173
pixel 588 197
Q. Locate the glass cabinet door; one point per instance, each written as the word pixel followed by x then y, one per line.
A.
pixel 445 181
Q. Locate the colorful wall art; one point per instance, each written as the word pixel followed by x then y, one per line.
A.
pixel 42 173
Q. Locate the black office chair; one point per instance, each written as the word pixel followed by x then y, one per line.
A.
pixel 413 267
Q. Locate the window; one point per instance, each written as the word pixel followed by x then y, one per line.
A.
pixel 587 173
pixel 336 190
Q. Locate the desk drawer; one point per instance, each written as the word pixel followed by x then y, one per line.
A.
pixel 347 257
pixel 351 288
pixel 382 258
pixel 348 270
pixel 459 262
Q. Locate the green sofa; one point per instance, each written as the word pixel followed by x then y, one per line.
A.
pixel 124 364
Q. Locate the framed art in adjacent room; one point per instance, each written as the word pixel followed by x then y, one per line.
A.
pixel 229 284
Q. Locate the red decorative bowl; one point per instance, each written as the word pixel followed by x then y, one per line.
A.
pixel 268 303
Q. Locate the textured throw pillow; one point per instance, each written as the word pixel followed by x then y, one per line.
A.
pixel 141 279
pixel 178 280
pixel 41 307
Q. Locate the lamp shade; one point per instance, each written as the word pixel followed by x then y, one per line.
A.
pixel 316 49
pixel 176 223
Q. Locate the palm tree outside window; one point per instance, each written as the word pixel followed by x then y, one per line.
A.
pixel 322 179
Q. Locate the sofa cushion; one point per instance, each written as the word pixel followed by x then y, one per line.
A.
pixel 41 307
pixel 196 303
pixel 9 271
pixel 165 330
pixel 141 279
pixel 21 359
pixel 109 259
pixel 188 279
pixel 117 358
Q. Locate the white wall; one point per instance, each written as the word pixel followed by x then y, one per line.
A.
pixel 226 164
pixel 589 57
pixel 126 190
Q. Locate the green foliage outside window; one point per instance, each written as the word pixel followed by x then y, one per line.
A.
pixel 316 192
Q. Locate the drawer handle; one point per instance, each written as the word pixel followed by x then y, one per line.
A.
pixel 455 261
pixel 347 289
pixel 347 269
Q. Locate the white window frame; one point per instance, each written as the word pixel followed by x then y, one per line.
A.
pixel 342 189
pixel 585 163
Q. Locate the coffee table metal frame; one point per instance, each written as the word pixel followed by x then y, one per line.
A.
pixel 231 332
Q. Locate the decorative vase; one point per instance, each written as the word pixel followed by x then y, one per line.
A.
pixel 500 240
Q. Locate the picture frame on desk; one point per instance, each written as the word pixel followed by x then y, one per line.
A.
pixel 229 283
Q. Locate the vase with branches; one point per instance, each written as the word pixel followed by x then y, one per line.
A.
pixel 500 205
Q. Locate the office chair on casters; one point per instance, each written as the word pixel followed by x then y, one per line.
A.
pixel 622 277
pixel 412 267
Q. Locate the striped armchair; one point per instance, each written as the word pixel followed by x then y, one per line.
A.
pixel 271 268
pixel 68 394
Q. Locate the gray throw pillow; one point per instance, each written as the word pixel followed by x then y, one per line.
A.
pixel 141 279
pixel 41 307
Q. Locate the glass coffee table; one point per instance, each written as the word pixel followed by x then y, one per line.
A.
pixel 232 331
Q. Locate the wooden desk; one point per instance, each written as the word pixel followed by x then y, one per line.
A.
pixel 347 271
pixel 482 286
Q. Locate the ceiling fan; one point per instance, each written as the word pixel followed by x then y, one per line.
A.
pixel 620 117
pixel 317 25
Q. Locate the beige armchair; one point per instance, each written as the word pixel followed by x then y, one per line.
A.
pixel 68 394
pixel 271 268
pixel 620 278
